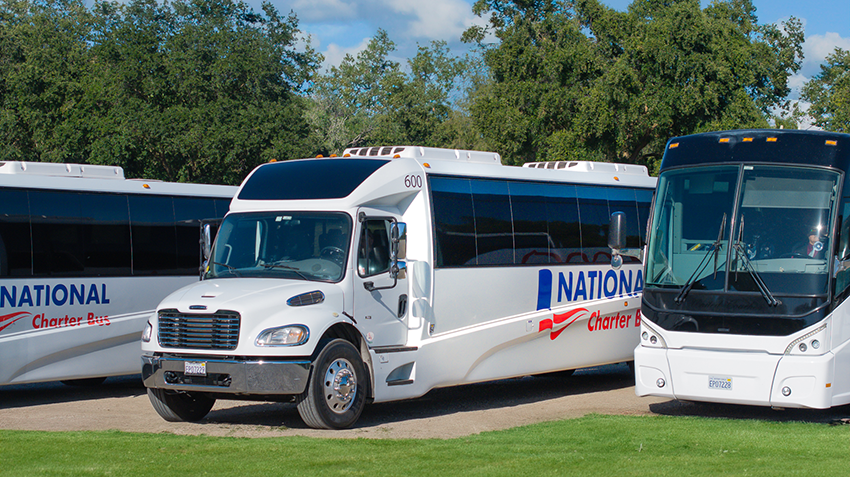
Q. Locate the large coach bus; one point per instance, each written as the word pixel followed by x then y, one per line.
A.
pixel 85 257
pixel 747 271
pixel 394 270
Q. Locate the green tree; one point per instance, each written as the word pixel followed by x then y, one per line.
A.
pixel 576 80
pixel 43 70
pixel 371 100
pixel 202 90
pixel 829 93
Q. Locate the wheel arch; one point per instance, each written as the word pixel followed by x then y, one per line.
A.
pixel 350 333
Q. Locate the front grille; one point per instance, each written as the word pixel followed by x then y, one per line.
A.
pixel 215 331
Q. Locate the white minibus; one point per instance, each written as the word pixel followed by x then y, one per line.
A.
pixel 390 271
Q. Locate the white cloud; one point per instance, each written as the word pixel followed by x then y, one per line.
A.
pixel 817 48
pixel 323 10
pixel 334 53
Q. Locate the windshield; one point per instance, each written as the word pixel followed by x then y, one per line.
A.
pixel 776 243
pixel 296 245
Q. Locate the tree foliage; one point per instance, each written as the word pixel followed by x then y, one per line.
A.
pixel 829 93
pixel 574 79
pixel 195 90
pixel 369 99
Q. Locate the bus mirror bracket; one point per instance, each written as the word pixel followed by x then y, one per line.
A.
pixel 617 237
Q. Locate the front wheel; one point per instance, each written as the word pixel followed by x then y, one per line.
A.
pixel 180 406
pixel 336 394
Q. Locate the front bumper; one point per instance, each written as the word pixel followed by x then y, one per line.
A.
pixel 227 376
pixel 754 378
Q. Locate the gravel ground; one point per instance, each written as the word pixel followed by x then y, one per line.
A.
pixel 122 404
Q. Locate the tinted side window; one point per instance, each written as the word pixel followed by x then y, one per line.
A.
pixel 454 221
pixel 188 212
pixel 106 234
pixel 595 216
pixel 493 223
pixel 154 235
pixel 532 239
pixel 644 203
pixel 562 213
pixel 15 240
pixel 57 234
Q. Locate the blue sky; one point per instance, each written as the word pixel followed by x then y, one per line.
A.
pixel 338 27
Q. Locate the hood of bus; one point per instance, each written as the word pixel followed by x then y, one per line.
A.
pixel 261 304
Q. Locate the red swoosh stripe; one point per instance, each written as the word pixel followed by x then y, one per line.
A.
pixel 572 316
pixel 13 317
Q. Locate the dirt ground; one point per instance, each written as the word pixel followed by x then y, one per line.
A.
pixel 122 404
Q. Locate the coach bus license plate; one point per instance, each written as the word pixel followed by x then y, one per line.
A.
pixel 191 368
pixel 717 382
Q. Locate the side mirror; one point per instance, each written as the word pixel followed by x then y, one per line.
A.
pixel 617 237
pixel 399 240
pixel 207 241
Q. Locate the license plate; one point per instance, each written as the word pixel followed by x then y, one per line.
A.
pixel 718 382
pixel 191 368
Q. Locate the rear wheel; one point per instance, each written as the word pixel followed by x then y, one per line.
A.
pixel 176 406
pixel 336 394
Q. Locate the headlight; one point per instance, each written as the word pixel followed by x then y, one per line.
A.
pixel 146 334
pixel 651 338
pixel 290 335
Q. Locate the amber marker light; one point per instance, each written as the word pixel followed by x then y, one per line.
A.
pixel 771 139
pixel 831 142
pixel 748 139
pixel 724 140
pixel 146 186
pixel 674 145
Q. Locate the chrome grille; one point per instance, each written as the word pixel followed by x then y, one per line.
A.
pixel 219 330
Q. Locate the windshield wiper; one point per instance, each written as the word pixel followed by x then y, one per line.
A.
pixel 286 267
pixel 748 265
pixel 715 248
pixel 232 269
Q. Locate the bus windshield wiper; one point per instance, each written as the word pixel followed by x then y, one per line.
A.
pixel 286 267
pixel 715 248
pixel 748 265
pixel 228 267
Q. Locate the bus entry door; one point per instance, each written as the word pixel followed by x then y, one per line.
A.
pixel 380 301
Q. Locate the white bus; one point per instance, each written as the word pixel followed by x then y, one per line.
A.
pixel 85 256
pixel 747 271
pixel 394 270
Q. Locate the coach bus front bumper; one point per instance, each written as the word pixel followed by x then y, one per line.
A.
pixel 758 379
pixel 214 375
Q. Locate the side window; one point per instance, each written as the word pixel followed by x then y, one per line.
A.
pixel 188 212
pixel 15 240
pixel 532 238
pixel 494 234
pixel 373 250
pixel 106 234
pixel 154 235
pixel 454 222
pixel 57 234
pixel 562 214
pixel 595 217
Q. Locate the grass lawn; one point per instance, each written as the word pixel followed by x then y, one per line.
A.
pixel 593 445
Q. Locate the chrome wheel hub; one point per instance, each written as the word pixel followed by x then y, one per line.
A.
pixel 340 386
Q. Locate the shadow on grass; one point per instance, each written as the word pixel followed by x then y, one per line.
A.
pixel 835 415
pixel 34 394
pixel 445 401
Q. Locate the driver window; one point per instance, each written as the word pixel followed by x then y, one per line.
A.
pixel 373 252
pixel 842 278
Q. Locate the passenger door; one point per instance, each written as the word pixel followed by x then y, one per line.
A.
pixel 380 301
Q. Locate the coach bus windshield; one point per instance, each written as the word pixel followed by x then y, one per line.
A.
pixel 297 245
pixel 743 228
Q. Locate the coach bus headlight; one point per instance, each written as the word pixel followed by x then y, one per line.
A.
pixel 650 338
pixel 290 335
pixel 146 334
pixel 811 339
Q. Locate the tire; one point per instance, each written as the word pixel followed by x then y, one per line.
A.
pixel 87 382
pixel 179 406
pixel 336 394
